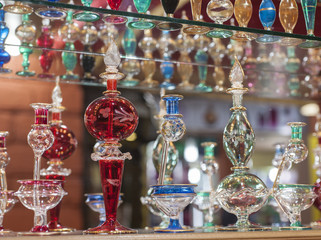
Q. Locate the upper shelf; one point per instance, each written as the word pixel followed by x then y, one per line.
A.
pixel 38 3
pixel 272 81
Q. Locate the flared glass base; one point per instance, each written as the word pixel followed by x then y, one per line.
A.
pixel 51 13
pixel 55 226
pixel 310 44
pixel 203 88
pixel 5 70
pixel 195 30
pixel 38 233
pixel 167 85
pixel 251 227
pixel 218 33
pixel 295 228
pixel 267 39
pixel 185 86
pixel 18 8
pixel 46 75
pixel 115 19
pixel 290 41
pixel 69 77
pixel 129 82
pixel 6 232
pixel 174 227
pixel 141 25
pixel 86 16
pixel 26 73
pixel 243 36
pixel 169 26
pixel 149 83
pixel 110 227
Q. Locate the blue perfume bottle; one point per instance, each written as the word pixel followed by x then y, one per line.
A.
pixel 4 55
pixel 202 57
pixel 267 14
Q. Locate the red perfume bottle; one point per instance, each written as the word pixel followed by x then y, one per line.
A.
pixel 64 145
pixel 45 40
pixel 110 119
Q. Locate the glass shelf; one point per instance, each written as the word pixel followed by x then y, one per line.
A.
pixel 266 90
pixel 166 19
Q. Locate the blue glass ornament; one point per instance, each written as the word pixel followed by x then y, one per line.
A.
pixel 167 69
pixel 267 14
pixel 172 199
pixel 4 55
pixel 51 12
pixel 201 57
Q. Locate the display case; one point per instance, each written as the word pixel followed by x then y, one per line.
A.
pixel 274 75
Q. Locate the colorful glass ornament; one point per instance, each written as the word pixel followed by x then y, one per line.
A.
pixel 219 11
pixel 4 31
pixel 267 14
pixel 45 41
pixel 26 32
pixel 111 118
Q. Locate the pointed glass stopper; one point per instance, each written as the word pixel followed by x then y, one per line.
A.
pixel 56 95
pixel 236 76
pixel 112 56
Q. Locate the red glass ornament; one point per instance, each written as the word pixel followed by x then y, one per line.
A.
pixel 65 142
pixel 54 213
pixel 46 41
pixel 64 145
pixel 111 118
pixel 114 4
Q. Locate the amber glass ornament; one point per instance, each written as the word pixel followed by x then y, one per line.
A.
pixel 288 15
pixel 243 12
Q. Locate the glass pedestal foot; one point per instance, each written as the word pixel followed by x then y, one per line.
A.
pixel 110 227
pixel 310 44
pixel 290 41
pixel 174 227
pixel 243 36
pixel 141 25
pixel 45 75
pixel 37 233
pixel 86 17
pixel 129 82
pixel 218 33
pixel 169 26
pixel 26 73
pixel 196 30
pixel 5 70
pixel 295 228
pixel 69 77
pixel 268 39
pixel 115 19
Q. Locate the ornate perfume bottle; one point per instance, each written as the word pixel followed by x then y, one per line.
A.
pixel 111 118
pixel 63 146
pixel 240 193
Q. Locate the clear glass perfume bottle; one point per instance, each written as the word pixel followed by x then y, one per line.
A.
pixel 240 193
